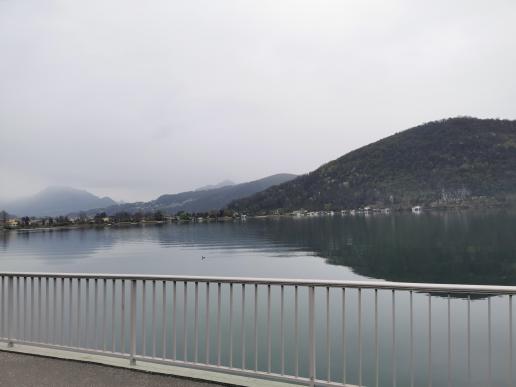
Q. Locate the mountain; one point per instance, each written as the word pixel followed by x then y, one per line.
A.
pixel 54 201
pixel 223 183
pixel 437 163
pixel 200 200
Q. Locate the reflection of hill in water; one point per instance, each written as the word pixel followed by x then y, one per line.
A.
pixel 437 247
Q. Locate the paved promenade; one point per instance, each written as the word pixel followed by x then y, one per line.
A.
pixel 22 370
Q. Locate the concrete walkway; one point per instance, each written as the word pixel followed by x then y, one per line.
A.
pixel 22 370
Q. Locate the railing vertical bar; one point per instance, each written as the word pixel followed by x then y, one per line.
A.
pixel 54 307
pixel 87 312
pixel 164 321
pixel 122 318
pixel 24 318
pixel 218 322
pixel 32 317
pixel 490 380
pixel 6 288
pixel 79 312
pixel 70 310
pixel 296 330
pixel 144 319
pixel 255 327
pixel 196 322
pixel 153 318
pixel 132 328
pixel 95 311
pixel 429 340
pixel 282 335
pixel 185 327
pixel 10 315
pixel 242 327
pixel 360 337
pixel 510 340
pixel 344 376
pixel 40 316
pixel 3 306
pixel 2 312
pixel 469 340
pixel 25 308
pixel 207 345
pixel 113 294
pixel 269 340
pixel 104 312
pixel 311 335
pixel 174 321
pixel 231 325
pixel 328 344
pixel 62 327
pixel 394 338
pixel 17 326
pixel 449 342
pixel 3 322
pixel 376 345
pixel 19 308
pixel 411 339
pixel 47 309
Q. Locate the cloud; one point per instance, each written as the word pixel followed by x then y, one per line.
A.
pixel 136 101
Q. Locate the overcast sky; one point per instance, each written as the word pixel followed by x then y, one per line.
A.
pixel 133 99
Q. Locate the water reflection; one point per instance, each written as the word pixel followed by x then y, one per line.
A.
pixel 467 247
pixel 437 247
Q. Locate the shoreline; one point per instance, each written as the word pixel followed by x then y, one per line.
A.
pixel 317 214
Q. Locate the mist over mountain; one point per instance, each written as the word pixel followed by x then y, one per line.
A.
pixel 223 183
pixel 56 200
pixel 200 200
pixel 439 162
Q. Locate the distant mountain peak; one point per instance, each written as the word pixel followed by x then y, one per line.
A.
pixel 200 200
pixel 57 200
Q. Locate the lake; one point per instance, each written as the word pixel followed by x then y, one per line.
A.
pixel 449 247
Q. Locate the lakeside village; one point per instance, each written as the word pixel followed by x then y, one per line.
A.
pixel 9 222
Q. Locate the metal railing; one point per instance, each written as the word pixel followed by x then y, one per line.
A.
pixel 328 333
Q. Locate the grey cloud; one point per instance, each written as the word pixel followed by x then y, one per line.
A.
pixel 134 100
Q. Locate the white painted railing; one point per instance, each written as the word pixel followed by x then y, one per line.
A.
pixel 311 332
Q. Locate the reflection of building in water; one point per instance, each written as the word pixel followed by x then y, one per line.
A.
pixel 416 209
pixel 4 239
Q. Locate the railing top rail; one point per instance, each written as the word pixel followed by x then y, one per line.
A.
pixel 380 285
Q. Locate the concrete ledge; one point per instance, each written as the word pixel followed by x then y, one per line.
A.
pixel 144 366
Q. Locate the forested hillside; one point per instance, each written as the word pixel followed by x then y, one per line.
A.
pixel 440 162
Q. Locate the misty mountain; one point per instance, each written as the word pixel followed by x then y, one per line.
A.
pixel 438 162
pixel 201 200
pixel 223 183
pixel 54 201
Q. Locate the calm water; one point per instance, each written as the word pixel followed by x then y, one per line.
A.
pixel 433 247
pixel 465 247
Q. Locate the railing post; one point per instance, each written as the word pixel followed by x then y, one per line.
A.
pixel 10 314
pixel 132 359
pixel 311 333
